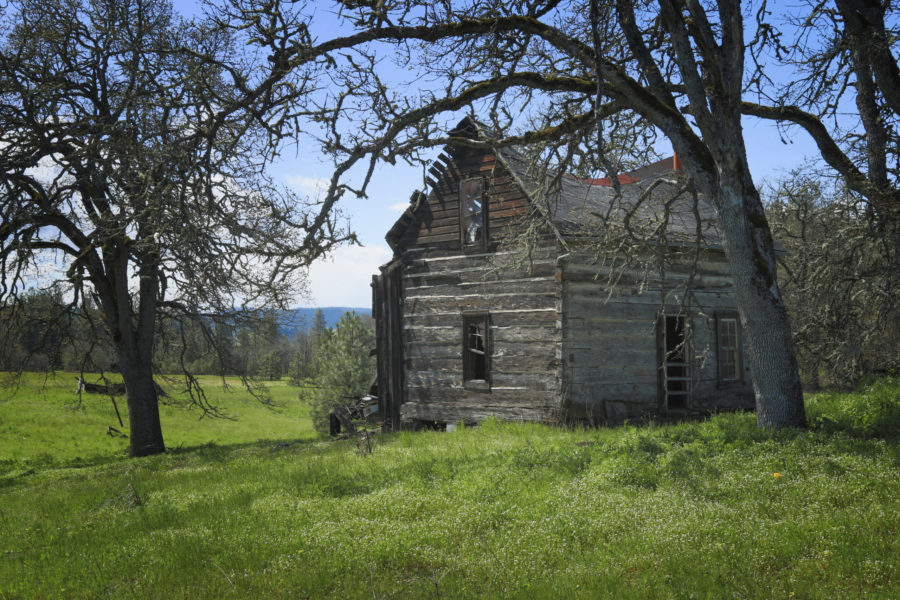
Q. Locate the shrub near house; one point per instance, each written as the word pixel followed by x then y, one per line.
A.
pixel 344 366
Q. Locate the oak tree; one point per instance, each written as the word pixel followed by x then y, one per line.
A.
pixel 578 80
pixel 134 147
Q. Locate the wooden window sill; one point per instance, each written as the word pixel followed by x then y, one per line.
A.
pixel 478 385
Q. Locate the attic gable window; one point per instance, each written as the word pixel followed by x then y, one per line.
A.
pixel 476 350
pixel 472 212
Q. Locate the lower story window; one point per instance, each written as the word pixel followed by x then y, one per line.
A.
pixel 675 366
pixel 476 348
pixel 728 348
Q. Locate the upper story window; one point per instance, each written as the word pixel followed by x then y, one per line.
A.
pixel 472 212
pixel 728 348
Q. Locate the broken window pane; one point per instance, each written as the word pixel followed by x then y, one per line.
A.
pixel 475 349
pixel 471 211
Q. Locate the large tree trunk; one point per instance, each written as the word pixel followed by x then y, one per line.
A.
pixel 134 335
pixel 143 408
pixel 770 348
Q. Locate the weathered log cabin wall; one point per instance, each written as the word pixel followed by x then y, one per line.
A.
pixel 559 345
pixel 442 281
pixel 610 341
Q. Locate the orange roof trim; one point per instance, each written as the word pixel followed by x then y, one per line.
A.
pixel 624 179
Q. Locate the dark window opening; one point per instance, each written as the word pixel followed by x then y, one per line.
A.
pixel 728 348
pixel 676 369
pixel 476 348
pixel 472 212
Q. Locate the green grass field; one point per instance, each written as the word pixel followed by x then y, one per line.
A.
pixel 716 509
pixel 43 423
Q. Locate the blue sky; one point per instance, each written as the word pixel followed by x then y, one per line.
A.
pixel 344 278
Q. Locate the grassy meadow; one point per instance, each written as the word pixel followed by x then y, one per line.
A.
pixel 44 423
pixel 261 508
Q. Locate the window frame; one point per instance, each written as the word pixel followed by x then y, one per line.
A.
pixel 663 364
pixel 738 349
pixel 463 214
pixel 469 381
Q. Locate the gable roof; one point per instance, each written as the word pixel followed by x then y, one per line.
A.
pixel 579 207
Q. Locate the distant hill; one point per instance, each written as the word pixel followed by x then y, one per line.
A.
pixel 301 319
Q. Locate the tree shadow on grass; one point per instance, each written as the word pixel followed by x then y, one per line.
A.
pixel 213 449
pixel 14 472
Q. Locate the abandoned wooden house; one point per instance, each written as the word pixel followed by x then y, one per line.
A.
pixel 471 324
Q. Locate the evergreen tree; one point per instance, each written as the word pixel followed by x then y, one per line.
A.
pixel 343 365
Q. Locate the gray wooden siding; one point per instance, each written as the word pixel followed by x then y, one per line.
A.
pixel 441 281
pixel 609 341
pixel 560 347
pixel 524 331
pixel 386 304
pixel 437 227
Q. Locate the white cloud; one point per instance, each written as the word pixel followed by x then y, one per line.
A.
pixel 345 278
pixel 400 207
pixel 311 186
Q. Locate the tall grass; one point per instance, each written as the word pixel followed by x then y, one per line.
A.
pixel 873 410
pixel 717 509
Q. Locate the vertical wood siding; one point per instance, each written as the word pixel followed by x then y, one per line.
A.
pixel 387 310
